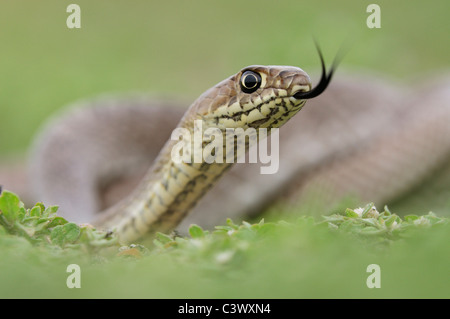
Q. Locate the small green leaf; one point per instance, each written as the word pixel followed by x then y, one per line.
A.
pixel 163 238
pixel 51 210
pixel 65 234
pixel 196 231
pixel 9 206
pixel 411 218
pixel 41 226
pixel 351 213
pixel 36 211
pixel 390 220
pixel 41 206
pixel 432 218
pixel 224 228
pixel 231 224
pixel 367 209
pixel 387 211
pixel 333 218
pixel 371 222
pixel 22 213
pixel 72 231
pixel 57 221
pixel 246 224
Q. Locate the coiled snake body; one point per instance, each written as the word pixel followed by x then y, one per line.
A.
pixel 362 137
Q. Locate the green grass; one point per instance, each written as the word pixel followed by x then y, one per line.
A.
pixel 299 258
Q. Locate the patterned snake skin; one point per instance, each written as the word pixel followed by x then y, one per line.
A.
pixel 365 136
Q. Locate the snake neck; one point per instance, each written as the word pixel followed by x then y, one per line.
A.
pixel 172 187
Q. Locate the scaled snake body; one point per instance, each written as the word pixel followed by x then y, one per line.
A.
pixel 361 137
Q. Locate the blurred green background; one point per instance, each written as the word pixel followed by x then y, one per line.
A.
pixel 181 47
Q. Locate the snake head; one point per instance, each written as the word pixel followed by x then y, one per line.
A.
pixel 259 96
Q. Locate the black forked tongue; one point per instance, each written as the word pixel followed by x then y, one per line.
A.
pixel 324 80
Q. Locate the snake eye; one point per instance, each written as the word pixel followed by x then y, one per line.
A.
pixel 250 81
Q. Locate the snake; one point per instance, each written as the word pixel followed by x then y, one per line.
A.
pixel 255 97
pixel 364 135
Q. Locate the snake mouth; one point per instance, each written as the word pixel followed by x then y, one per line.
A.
pixel 323 83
